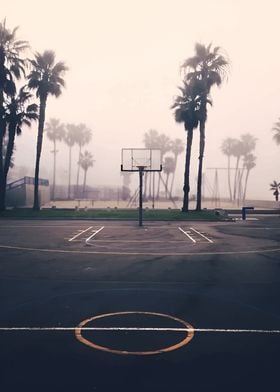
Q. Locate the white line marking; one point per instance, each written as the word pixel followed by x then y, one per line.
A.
pixel 183 231
pixel 215 330
pixel 94 234
pixel 77 235
pixel 202 235
pixel 113 253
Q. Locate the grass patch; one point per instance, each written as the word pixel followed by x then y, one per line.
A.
pixel 111 213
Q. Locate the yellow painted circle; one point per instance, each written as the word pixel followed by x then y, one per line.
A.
pixel 186 340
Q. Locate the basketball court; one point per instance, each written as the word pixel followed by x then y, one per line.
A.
pixel 103 305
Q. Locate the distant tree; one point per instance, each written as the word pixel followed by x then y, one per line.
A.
pixel 186 111
pixel 275 187
pixel 83 137
pixel 164 144
pixel 70 138
pixel 46 77
pixel 19 113
pixel 12 67
pixel 150 141
pixel 86 161
pixel 227 149
pixel 177 147
pixel 168 168
pixel 126 176
pixel 249 164
pixel 55 132
pixel 205 69
pixel 276 129
pixel 237 152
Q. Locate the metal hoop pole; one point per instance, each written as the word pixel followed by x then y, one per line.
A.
pixel 140 196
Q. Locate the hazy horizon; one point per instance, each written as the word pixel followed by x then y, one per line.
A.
pixel 124 62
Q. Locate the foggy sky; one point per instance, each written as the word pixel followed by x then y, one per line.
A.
pixel 124 58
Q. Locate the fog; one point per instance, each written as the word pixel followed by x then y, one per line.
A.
pixel 124 62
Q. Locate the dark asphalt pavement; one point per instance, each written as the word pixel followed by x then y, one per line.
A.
pixel 213 276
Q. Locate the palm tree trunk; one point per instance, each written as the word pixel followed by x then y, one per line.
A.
pixel 85 179
pixel 235 178
pixel 229 179
pixel 245 186
pixel 69 172
pixel 2 181
pixel 54 169
pixel 200 164
pixel 166 190
pixel 186 187
pixel 42 113
pixel 8 157
pixel 78 169
pixel 173 176
pixel 2 133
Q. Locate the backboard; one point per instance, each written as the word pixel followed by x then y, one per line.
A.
pixel 144 159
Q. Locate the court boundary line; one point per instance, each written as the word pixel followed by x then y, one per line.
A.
pixel 187 234
pixel 202 235
pixel 148 329
pixel 30 249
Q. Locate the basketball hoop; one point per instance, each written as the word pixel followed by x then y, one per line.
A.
pixel 141 160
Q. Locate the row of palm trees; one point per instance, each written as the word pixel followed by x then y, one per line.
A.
pixel 204 70
pixel 240 149
pixel 71 135
pixel 153 139
pixel 43 75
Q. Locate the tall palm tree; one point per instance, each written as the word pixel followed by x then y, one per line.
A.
pixel 177 147
pixel 227 148
pixel 187 107
pixel 206 69
pixel 86 161
pixel 11 67
pixel 249 164
pixel 70 138
pixel 84 136
pixel 276 129
pixel 18 114
pixel 46 77
pixel 55 132
pixel 275 186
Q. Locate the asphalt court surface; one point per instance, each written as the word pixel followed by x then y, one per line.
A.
pixel 104 306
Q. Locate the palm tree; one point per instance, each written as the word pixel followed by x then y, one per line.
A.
pixel 150 141
pixel 186 111
pixel 275 186
pixel 164 144
pixel 249 164
pixel 168 168
pixel 86 161
pixel 18 114
pixel 177 147
pixel 276 128
pixel 83 136
pixel 70 138
pixel 248 144
pixel 206 69
pixel 237 152
pixel 11 66
pixel 55 132
pixel 46 78
pixel 227 149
